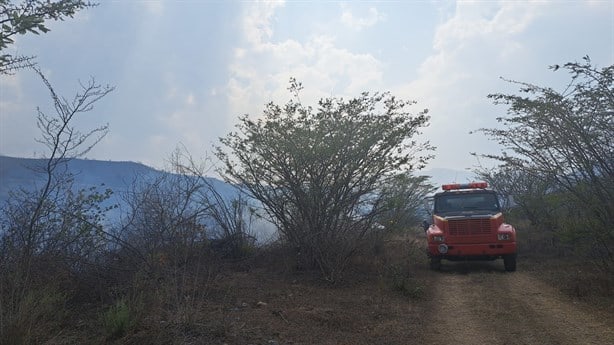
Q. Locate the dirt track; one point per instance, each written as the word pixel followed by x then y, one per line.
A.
pixel 479 303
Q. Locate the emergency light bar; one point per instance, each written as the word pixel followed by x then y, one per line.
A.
pixel 471 185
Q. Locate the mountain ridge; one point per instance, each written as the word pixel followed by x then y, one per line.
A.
pixel 16 172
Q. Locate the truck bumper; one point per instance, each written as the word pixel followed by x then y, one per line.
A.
pixel 486 250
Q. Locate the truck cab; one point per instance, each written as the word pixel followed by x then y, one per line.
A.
pixel 467 224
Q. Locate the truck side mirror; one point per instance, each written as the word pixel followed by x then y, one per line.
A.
pixel 427 203
pixel 425 225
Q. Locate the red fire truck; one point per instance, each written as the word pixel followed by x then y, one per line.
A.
pixel 468 225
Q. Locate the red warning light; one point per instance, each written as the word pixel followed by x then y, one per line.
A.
pixel 453 186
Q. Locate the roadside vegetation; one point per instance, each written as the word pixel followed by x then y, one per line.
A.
pixel 557 163
pixel 339 180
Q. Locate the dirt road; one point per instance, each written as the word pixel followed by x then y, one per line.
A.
pixel 479 303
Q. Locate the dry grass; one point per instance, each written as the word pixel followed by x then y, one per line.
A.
pixel 383 299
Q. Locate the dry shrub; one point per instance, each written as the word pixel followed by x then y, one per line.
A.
pixel 575 277
pixel 158 306
pixel 118 319
pixel 34 318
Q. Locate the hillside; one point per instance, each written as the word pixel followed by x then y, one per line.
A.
pixel 22 172
pixel 25 172
pixel 16 173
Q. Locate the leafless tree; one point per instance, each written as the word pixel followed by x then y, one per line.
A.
pixel 52 225
pixel 165 222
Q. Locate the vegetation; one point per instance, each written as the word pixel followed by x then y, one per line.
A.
pixel 319 173
pixel 403 199
pixel 51 231
pixel 558 158
pixel 338 181
pixel 29 16
pixel 118 320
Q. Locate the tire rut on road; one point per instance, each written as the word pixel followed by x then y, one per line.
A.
pixel 484 305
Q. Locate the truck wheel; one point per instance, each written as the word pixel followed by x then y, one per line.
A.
pixel 509 261
pixel 435 263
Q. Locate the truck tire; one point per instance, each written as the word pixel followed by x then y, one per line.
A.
pixel 509 262
pixel 435 263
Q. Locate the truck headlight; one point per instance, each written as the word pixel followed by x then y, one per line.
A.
pixel 438 238
pixel 443 248
pixel 504 237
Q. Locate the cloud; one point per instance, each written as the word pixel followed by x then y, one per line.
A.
pixel 17 117
pixel 476 44
pixel 257 23
pixel 262 66
pixel 359 23
pixel 479 42
pixel 155 7
pixel 481 20
pixel 185 71
pixel 192 115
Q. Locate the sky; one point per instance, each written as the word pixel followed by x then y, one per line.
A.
pixel 184 71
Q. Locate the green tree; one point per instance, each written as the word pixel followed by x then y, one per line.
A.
pixel 29 16
pixel 567 138
pixel 403 196
pixel 518 189
pixel 527 197
pixel 317 172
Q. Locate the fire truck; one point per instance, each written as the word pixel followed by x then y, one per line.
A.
pixel 468 225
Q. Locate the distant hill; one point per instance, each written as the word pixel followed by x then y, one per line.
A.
pixel 21 172
pixel 18 173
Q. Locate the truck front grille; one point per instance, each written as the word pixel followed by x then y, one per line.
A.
pixel 467 227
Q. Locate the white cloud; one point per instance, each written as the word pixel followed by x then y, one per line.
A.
pixel 359 23
pixel 471 49
pixel 262 67
pixel 177 91
pixel 190 99
pixel 155 7
pixel 257 23
pixel 493 20
pixel 17 118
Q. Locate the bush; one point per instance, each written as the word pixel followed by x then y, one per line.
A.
pixel 318 172
pixel 118 320
pixel 399 279
pixel 33 318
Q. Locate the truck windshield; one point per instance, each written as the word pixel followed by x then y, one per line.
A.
pixel 464 202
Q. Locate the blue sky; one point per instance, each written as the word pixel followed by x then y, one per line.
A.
pixel 185 70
